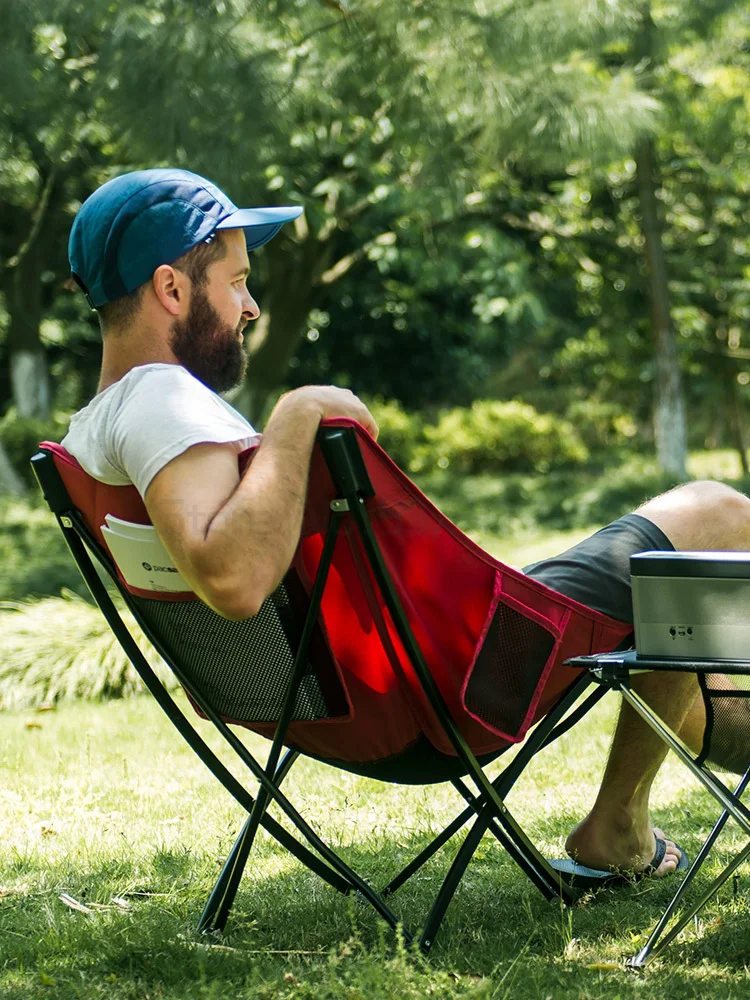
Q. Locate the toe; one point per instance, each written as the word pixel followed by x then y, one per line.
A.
pixel 670 860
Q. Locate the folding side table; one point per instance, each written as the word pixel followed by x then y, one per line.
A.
pixel 615 671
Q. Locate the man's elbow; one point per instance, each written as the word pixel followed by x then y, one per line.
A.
pixel 235 603
pixel 231 590
pixel 233 596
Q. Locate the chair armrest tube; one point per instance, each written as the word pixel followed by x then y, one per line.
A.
pixel 344 460
pixel 50 482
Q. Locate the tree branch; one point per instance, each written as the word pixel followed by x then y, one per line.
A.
pixel 39 213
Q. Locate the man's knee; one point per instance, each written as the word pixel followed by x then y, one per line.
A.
pixel 702 515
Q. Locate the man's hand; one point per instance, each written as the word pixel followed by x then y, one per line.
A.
pixel 234 538
pixel 329 401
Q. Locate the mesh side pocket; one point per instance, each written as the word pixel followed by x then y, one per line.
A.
pixel 726 741
pixel 507 670
pixel 243 668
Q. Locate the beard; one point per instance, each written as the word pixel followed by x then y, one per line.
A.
pixel 209 348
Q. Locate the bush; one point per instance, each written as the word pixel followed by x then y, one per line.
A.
pixel 21 436
pixel 401 433
pixel 604 426
pixel 62 648
pixel 34 559
pixel 494 436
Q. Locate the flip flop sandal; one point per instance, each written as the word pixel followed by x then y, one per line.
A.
pixel 580 877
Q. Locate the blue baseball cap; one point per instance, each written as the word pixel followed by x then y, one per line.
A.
pixel 136 222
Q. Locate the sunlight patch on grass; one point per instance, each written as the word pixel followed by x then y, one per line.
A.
pixel 528 547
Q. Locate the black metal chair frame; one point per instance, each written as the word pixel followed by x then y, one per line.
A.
pixel 485 802
pixel 614 671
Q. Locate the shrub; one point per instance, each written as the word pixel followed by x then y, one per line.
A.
pixel 34 559
pixel 21 435
pixel 494 436
pixel 603 426
pixel 401 433
pixel 62 648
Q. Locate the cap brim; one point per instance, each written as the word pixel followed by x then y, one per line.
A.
pixel 260 224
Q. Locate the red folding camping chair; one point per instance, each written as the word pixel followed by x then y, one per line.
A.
pixel 394 648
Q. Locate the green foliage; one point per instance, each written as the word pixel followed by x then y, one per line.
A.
pixel 604 426
pixel 494 507
pixel 494 436
pixel 34 559
pixel 401 433
pixel 62 648
pixel 21 437
pixel 601 498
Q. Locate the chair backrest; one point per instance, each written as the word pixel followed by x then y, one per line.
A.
pixel 493 639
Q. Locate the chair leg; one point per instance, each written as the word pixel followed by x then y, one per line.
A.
pixel 507 839
pixel 432 848
pixel 219 903
pixel 545 733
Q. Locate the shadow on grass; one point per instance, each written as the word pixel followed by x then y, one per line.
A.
pixel 286 923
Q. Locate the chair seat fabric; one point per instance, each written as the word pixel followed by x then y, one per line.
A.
pixel 493 640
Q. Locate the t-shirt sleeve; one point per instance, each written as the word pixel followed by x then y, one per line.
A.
pixel 164 415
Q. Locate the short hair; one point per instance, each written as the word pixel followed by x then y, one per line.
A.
pixel 118 315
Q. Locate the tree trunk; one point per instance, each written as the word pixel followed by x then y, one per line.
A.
pixel 670 433
pixel 29 374
pixel 737 418
pixel 669 407
pixel 10 482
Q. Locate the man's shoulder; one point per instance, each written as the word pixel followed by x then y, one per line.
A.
pixel 158 374
pixel 150 416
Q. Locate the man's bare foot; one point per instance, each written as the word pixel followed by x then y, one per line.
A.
pixel 619 847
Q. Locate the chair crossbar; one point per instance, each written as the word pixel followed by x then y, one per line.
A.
pixel 219 903
pixel 546 879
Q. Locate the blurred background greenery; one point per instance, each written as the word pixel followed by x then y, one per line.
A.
pixel 525 239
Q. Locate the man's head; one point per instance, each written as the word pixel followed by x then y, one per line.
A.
pixel 167 249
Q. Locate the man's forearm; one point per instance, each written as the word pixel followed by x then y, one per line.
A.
pixel 251 540
pixel 233 538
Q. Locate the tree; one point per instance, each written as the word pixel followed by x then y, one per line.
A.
pixel 42 145
pixel 592 81
pixel 72 97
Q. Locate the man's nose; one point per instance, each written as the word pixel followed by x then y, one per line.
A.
pixel 250 307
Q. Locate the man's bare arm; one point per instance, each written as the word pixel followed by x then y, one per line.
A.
pixel 233 538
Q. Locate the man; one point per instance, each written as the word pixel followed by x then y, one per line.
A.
pixel 162 255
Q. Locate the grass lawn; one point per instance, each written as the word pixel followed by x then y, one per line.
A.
pixel 103 802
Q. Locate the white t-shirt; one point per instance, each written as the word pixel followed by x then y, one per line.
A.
pixel 131 430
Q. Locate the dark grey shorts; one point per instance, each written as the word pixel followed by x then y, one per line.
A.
pixel 596 572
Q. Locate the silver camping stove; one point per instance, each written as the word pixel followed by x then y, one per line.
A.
pixel 692 605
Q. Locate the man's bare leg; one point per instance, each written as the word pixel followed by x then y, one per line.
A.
pixel 617 833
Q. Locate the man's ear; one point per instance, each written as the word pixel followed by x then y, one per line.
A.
pixel 170 288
